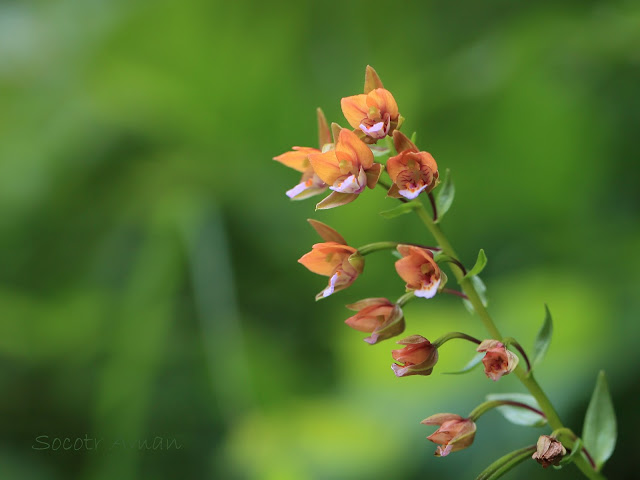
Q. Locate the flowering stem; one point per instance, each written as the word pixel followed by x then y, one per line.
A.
pixel 450 291
pixel 561 432
pixel 432 200
pixel 406 298
pixel 486 406
pixel 374 247
pixel 451 335
pixel 526 378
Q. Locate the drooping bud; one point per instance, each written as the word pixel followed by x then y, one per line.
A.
pixel 455 432
pixel 418 357
pixel 549 451
pixel 377 316
pixel 498 361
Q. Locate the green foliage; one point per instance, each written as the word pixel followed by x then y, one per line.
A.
pixel 600 429
pixel 445 195
pixel 481 262
pixel 519 415
pixel 543 339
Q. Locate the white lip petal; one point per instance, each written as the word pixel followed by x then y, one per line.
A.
pixel 428 291
pixel 412 193
pixel 332 285
pixel 398 370
pixel 377 130
pixel 297 190
pixel 351 184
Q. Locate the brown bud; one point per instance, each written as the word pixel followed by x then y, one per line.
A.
pixel 549 451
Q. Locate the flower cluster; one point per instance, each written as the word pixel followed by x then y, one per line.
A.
pixel 347 162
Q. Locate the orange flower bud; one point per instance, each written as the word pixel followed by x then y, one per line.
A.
pixel 455 432
pixel 418 357
pixel 418 268
pixel 374 113
pixel 347 170
pixel 549 451
pixel 411 171
pixel 334 259
pixel 377 316
pixel 498 361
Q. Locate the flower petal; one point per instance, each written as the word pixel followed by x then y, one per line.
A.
pixel 327 166
pixel 371 80
pixel 297 158
pixel 336 199
pixel 350 144
pixel 384 101
pixel 354 109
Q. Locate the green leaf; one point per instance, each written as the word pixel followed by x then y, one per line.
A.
pixel 543 339
pixel 481 288
pixel 506 463
pixel 600 430
pixel 567 459
pixel 445 195
pixel 519 415
pixel 401 209
pixel 413 137
pixel 481 262
pixel 473 363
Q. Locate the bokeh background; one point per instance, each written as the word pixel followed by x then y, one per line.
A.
pixel 149 286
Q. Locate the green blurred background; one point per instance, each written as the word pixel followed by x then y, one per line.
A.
pixel 149 286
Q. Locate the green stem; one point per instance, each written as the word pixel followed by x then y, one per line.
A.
pixel 527 379
pixel 374 247
pixel 451 335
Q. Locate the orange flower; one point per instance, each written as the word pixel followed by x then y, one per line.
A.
pixel 310 184
pixel 347 169
pixel 375 113
pixel 377 316
pixel 411 171
pixel 334 259
pixel 455 432
pixel 498 361
pixel 418 357
pixel 419 270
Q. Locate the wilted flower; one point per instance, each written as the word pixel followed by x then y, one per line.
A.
pixel 417 357
pixel 411 171
pixel 347 170
pixel 419 270
pixel 298 159
pixel 334 259
pixel 455 432
pixel 375 113
pixel 498 360
pixel 549 451
pixel 377 316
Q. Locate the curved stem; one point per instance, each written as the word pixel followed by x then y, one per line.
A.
pixel 486 406
pixel 374 247
pixel 526 378
pixel 451 335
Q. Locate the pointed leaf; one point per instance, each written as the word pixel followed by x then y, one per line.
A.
pixel 543 339
pixel 473 363
pixel 371 80
pixel 506 463
pixel 401 209
pixel 324 134
pixel 326 232
pixel 445 195
pixel 481 262
pixel 414 135
pixel 600 428
pixel 519 415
